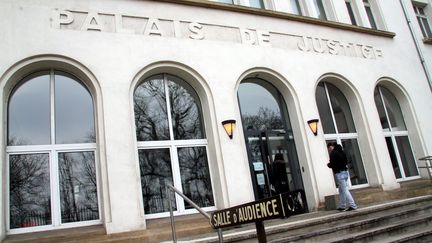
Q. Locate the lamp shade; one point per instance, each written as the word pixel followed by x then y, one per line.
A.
pixel 313 125
pixel 229 126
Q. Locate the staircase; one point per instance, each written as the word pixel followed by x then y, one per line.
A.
pixel 402 215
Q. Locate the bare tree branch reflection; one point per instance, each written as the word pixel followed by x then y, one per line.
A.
pixel 29 190
pixel 155 169
pixel 264 118
pixel 195 176
pixel 150 108
pixel 78 189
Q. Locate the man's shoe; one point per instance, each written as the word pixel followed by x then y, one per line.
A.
pixel 350 209
pixel 340 209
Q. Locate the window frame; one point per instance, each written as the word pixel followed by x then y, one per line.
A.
pixel 52 150
pixel 392 134
pixel 173 145
pixel 426 30
pixel 343 136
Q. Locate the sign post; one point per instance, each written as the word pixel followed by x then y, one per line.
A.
pixel 280 206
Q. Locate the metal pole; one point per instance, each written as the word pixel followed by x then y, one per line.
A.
pixel 171 215
pixel 261 234
pixel 220 235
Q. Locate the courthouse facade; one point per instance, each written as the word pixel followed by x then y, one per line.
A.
pixel 104 102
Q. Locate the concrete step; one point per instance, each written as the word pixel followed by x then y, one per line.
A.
pixel 327 225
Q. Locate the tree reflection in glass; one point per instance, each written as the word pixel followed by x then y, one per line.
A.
pixel 155 169
pixel 195 176
pixel 150 108
pixel 74 120
pixel 185 112
pixel 78 191
pixel 29 188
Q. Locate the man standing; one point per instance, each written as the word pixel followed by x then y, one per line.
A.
pixel 338 163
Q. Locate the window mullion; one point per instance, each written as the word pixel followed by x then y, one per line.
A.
pixel 177 178
pixel 167 100
pixel 55 189
pixel 331 108
pixel 385 109
pixel 398 158
pixel 52 107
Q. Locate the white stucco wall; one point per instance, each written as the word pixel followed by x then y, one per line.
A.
pixel 218 63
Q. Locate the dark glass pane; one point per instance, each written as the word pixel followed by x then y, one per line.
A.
pixel 151 117
pixel 295 7
pixel 324 109
pixel 341 110
pixel 406 155
pixel 185 110
pixel 393 110
pixel 259 108
pixel 371 17
pixel 351 13
pixel 427 28
pixel 195 176
pixel 29 187
pixel 393 158
pixel 256 3
pixel 320 9
pixel 420 21
pixel 381 110
pixel 155 170
pixel 355 163
pixel 269 138
pixel 74 120
pixel 29 111
pixel 78 190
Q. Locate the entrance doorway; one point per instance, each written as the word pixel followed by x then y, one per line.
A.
pixel 269 139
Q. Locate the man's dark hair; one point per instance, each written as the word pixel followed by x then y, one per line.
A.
pixel 334 144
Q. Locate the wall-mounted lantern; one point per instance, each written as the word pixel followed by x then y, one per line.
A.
pixel 229 126
pixel 313 125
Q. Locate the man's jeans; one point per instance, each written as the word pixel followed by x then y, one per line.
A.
pixel 345 196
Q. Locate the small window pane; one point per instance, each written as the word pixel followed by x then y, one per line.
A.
pixel 371 17
pixel 258 105
pixel 381 110
pixel 355 163
pixel 407 156
pixel 185 110
pixel 341 110
pixel 295 7
pixel 29 187
pixel 156 172
pixel 427 28
pixel 78 189
pixel 29 111
pixel 324 110
pixel 256 3
pixel 393 110
pixel 320 9
pixel 225 1
pixel 393 158
pixel 151 118
pixel 74 120
pixel 351 13
pixel 195 175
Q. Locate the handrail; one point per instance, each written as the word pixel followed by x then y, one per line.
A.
pixel 205 214
pixel 428 165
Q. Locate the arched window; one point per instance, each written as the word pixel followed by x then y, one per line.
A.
pixel 272 153
pixel 395 133
pixel 51 146
pixel 172 145
pixel 338 126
